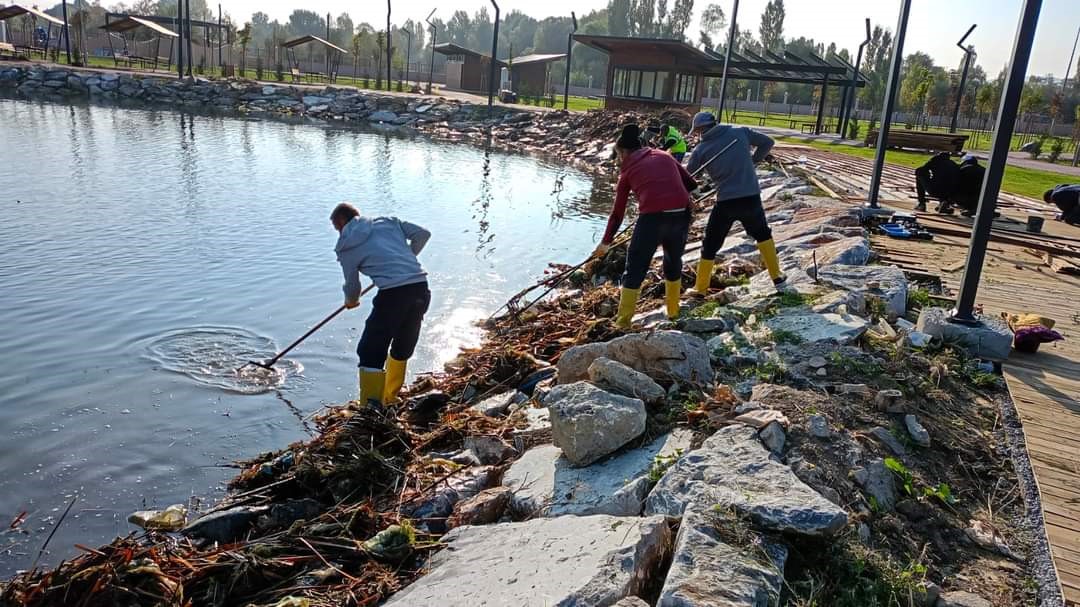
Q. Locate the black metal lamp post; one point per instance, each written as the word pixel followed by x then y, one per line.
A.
pixel 408 54
pixel 853 89
pixel 569 54
pixel 389 48
pixel 999 153
pixel 727 58
pixel 890 102
pixel 67 32
pixel 963 78
pixel 431 68
pixel 494 59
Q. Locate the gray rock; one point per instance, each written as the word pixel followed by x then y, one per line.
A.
pixel 621 379
pixel 538 424
pixel 817 362
pixel 226 526
pixel 733 470
pixel 569 560
pixel 918 339
pixel 864 533
pixel 310 100
pixel 489 450
pixel 991 339
pixel 499 405
pixel 930 593
pixel 877 482
pixel 631 601
pixel 435 508
pixel 288 512
pixel 917 431
pixel 382 116
pixel 886 438
pixel 574 363
pixel 819 426
pixel 546 484
pixel 890 401
pixel 773 436
pixel 811 328
pixel 959 598
pixel 887 283
pixel 707 572
pixel 841 302
pixel 704 325
pixel 853 251
pixel 664 354
pixel 588 423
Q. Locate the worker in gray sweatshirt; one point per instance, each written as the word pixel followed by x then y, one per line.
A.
pixel 384 249
pixel 738 195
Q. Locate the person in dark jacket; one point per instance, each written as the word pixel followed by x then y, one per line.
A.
pixel 738 195
pixel 384 249
pixel 662 187
pixel 1067 198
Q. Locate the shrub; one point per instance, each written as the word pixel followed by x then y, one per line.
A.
pixel 853 128
pixel 279 71
pixel 1056 147
pixel 258 68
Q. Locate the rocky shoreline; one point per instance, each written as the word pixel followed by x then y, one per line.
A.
pixel 808 447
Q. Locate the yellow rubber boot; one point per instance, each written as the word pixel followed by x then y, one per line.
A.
pixel 771 261
pixel 627 302
pixel 395 379
pixel 672 291
pixel 704 276
pixel 372 384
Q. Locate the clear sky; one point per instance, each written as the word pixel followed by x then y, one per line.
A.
pixel 934 26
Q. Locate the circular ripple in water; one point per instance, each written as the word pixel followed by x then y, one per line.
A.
pixel 212 356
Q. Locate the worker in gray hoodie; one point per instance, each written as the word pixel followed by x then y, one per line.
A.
pixel 738 195
pixel 384 249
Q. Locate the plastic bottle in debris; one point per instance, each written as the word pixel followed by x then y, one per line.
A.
pixel 170 519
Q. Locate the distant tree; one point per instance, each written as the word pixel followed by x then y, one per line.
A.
pixel 342 32
pixel 679 19
pixel 303 22
pixel 772 25
pixel 876 67
pixel 643 23
pixel 618 17
pixel 243 38
pixel 712 23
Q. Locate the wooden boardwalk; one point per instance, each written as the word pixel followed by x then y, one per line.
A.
pixel 1045 386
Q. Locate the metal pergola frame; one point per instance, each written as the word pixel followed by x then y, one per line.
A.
pixel 17 10
pixel 130 23
pixel 333 59
pixel 792 68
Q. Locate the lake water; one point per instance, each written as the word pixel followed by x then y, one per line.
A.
pixel 136 246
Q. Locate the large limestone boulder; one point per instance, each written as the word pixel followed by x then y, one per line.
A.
pixel 811 328
pixel 546 484
pixel 707 572
pixel 569 560
pixel 886 283
pixel 733 470
pixel 588 423
pixel 574 363
pixel 851 251
pixel 664 355
pixel 617 377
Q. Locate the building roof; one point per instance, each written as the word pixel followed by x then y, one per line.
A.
pixel 768 67
pixel 316 40
pixel 527 59
pixel 449 48
pixel 14 10
pixel 129 23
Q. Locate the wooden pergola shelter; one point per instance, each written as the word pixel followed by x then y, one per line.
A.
pixel 17 10
pixel 129 24
pixel 334 54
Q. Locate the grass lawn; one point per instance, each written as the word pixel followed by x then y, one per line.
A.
pixel 1018 180
pixel 579 104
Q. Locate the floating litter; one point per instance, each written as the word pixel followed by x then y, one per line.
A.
pixel 216 356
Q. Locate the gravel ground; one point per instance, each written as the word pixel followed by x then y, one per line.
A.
pixel 1040 564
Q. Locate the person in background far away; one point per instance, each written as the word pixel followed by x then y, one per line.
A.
pixel 384 249
pixel 738 196
pixel 662 187
pixel 1067 198
pixel 672 141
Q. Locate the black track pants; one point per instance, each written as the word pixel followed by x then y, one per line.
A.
pixel 747 211
pixel 393 325
pixel 667 230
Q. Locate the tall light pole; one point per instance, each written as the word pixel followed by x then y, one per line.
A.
pixel 569 53
pixel 963 78
pixel 890 102
pixel 431 68
pixel 854 82
pixel 494 59
pixel 727 58
pixel 995 169
pixel 67 31
pixel 389 48
pixel 408 54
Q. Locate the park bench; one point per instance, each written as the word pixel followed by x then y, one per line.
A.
pixel 808 128
pixel 7 48
pixel 953 143
pixel 296 75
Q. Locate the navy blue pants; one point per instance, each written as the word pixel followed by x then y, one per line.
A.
pixel 393 325
pixel 667 230
pixel 747 210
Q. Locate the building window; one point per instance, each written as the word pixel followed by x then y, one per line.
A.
pixel 639 84
pixel 455 58
pixel 685 88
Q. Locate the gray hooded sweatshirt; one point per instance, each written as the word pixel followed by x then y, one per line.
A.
pixel 383 249
pixel 733 172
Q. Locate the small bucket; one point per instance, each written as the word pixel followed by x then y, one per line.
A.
pixel 1035 224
